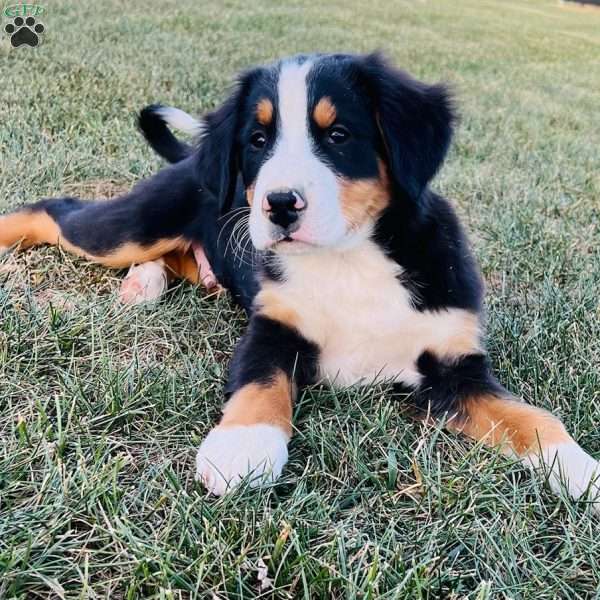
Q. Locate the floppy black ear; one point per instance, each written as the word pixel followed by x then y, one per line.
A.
pixel 218 159
pixel 416 122
pixel 217 156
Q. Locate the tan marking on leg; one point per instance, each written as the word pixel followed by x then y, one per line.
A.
pixel 324 113
pixel 364 200
pixel 538 438
pixel 270 304
pixel 28 228
pixel 132 252
pixel 520 427
pixel 31 228
pixel 264 112
pixel 182 265
pixel 268 403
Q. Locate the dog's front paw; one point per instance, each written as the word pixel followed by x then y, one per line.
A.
pixel 568 466
pixel 232 453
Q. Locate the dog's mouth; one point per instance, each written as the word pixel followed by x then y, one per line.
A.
pixel 291 242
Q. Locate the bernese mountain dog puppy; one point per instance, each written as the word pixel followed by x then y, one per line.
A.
pixel 309 193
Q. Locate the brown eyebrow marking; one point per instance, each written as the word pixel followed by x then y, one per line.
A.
pixel 264 111
pixel 324 113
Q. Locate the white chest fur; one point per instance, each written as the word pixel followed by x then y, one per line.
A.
pixel 353 305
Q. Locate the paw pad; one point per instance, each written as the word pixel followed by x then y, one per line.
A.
pixel 24 32
pixel 144 283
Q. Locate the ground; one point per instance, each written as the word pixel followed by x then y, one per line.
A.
pixel 102 407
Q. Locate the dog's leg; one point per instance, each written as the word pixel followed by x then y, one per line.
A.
pixel 474 403
pixel 535 436
pixel 69 223
pixel 153 219
pixel 269 364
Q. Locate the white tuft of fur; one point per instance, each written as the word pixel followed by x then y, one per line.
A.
pixel 179 119
pixel 569 467
pixel 144 283
pixel 231 453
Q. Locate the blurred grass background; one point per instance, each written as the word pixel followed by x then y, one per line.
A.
pixel 101 407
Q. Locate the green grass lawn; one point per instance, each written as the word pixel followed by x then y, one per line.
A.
pixel 102 407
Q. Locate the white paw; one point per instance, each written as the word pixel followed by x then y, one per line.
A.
pixel 231 453
pixel 570 467
pixel 144 283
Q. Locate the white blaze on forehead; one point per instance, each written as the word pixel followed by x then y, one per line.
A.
pixel 293 103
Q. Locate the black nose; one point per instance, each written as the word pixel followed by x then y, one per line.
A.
pixel 283 207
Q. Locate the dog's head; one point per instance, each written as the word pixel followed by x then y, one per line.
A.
pixel 324 144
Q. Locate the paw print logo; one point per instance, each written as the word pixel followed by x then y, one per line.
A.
pixel 24 32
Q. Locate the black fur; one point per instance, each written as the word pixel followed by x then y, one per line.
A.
pixel 163 206
pixel 416 121
pixel 171 204
pixel 447 383
pixel 268 346
pixel 357 158
pixel 429 243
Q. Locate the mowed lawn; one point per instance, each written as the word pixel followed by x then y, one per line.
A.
pixel 102 407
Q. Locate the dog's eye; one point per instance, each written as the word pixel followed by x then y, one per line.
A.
pixel 258 139
pixel 338 134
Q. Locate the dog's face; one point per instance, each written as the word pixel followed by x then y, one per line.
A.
pixel 324 144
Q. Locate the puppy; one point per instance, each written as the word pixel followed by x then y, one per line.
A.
pixel 309 192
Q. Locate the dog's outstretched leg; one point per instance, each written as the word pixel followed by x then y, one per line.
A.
pixel 535 436
pixel 271 361
pixel 160 215
pixel 69 223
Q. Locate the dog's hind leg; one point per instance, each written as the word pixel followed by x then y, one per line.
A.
pixel 28 227
pixel 157 217
pixel 69 223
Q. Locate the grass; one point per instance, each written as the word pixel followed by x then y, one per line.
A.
pixel 102 407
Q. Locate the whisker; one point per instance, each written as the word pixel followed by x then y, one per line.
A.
pixel 251 250
pixel 234 211
pixel 244 241
pixel 236 231
pixel 235 214
pixel 243 245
